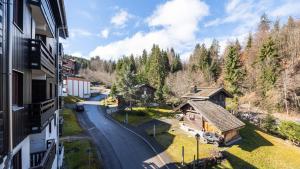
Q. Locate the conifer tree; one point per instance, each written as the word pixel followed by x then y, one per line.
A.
pixel 269 65
pixel 233 71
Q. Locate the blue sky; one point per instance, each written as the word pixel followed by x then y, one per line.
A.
pixel 112 28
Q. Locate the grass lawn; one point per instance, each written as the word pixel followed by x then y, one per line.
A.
pixel 256 150
pixel 140 115
pixel 261 150
pixel 72 99
pixel 173 139
pixel 70 126
pixel 77 156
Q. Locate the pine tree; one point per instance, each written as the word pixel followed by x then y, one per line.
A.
pixel 264 25
pixel 249 41
pixel 233 71
pixel 127 85
pixel 269 65
pixel 291 23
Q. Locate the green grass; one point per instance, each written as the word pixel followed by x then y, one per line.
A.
pixel 77 156
pixel 261 150
pixel 72 99
pixel 172 139
pixel 256 150
pixel 140 115
pixel 70 126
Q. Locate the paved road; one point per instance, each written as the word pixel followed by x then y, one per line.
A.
pixel 120 148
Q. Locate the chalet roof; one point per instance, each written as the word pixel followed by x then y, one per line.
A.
pixel 144 85
pixel 206 93
pixel 216 115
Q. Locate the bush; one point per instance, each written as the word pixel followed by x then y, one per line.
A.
pixel 269 124
pixel 291 131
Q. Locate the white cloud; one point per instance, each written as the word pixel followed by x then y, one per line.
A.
pixel 120 18
pixel 290 8
pixel 213 22
pixel 77 54
pixel 105 33
pixel 174 24
pixel 79 32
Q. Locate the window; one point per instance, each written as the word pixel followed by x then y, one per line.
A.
pixel 50 127
pixel 17 160
pixel 18 13
pixel 55 120
pixel 50 90
pixel 17 97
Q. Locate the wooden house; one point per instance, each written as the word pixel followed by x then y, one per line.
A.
pixel 205 110
pixel 145 91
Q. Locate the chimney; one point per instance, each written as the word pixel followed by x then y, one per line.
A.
pixel 194 89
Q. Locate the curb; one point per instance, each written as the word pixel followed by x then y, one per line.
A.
pixel 141 137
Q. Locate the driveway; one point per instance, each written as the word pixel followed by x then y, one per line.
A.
pixel 119 147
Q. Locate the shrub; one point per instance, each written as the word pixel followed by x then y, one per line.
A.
pixel 269 124
pixel 291 131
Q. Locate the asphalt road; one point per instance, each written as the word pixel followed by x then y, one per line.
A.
pixel 119 148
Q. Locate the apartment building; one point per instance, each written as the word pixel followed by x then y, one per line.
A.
pixel 30 54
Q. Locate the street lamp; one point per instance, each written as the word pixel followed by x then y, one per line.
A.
pixel 197 136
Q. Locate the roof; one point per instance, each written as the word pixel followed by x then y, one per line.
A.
pixel 144 85
pixel 216 115
pixel 206 93
pixel 58 7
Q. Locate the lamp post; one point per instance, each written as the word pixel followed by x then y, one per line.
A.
pixel 197 136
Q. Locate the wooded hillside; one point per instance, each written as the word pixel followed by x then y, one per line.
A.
pixel 263 72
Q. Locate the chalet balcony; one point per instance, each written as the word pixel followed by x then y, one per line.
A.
pixel 43 16
pixel 44 159
pixel 40 114
pixel 41 58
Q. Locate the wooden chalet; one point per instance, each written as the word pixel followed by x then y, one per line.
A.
pixel 145 90
pixel 205 110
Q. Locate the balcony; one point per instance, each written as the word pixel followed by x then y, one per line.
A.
pixel 43 16
pixel 41 58
pixel 44 159
pixel 40 114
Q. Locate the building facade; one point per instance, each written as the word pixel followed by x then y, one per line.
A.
pixel 30 54
pixel 76 86
pixel 204 110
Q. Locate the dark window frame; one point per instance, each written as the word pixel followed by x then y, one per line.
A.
pixel 18 13
pixel 17 160
pixel 17 88
pixel 50 127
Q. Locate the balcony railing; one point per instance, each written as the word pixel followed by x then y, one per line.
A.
pixel 42 11
pixel 41 58
pixel 40 114
pixel 43 159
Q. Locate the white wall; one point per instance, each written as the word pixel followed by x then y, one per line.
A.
pixel 78 88
pixel 25 146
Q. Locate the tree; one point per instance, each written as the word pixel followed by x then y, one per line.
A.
pixel 269 65
pixel 249 41
pixel 233 71
pixel 127 85
pixel 269 123
pixel 264 25
pixel 113 91
pixel 291 23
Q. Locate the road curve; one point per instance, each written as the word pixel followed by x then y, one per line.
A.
pixel 120 148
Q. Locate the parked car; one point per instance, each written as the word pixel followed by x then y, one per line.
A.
pixel 212 138
pixel 79 107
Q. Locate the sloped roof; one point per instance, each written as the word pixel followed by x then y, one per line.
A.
pixel 216 115
pixel 206 93
pixel 144 85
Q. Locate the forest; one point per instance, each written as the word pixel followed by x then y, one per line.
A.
pixel 262 72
